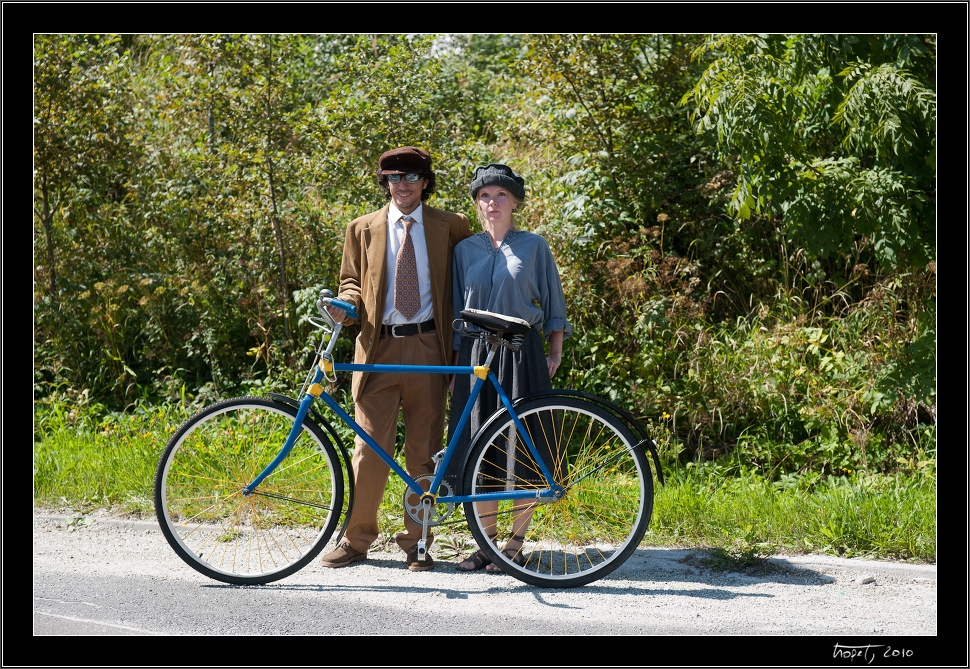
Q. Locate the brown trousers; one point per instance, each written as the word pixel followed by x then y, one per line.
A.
pixel 421 399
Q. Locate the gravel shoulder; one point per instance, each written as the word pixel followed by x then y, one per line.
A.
pixel 98 573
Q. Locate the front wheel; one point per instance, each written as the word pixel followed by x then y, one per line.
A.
pixel 587 528
pixel 219 529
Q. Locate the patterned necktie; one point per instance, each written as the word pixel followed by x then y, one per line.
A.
pixel 407 298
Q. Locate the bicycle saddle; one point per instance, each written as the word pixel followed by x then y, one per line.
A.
pixel 497 323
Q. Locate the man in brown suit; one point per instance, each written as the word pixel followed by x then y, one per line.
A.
pixel 398 326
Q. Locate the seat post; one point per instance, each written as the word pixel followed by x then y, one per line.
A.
pixel 491 354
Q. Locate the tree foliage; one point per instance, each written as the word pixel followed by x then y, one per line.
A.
pixel 835 135
pixel 744 224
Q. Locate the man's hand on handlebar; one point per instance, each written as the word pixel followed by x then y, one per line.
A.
pixel 336 309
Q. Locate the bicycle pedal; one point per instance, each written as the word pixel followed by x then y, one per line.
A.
pixel 422 550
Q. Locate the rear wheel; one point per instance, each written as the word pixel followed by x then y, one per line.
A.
pixel 242 538
pixel 596 520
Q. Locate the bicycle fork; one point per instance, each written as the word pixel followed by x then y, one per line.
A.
pixel 311 390
pixel 287 447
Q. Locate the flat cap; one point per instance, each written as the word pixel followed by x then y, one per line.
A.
pixel 404 159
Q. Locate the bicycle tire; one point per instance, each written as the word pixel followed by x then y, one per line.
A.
pixel 231 536
pixel 608 492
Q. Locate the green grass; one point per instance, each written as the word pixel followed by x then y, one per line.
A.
pixel 84 461
pixel 856 515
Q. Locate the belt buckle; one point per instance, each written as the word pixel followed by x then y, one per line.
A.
pixel 394 332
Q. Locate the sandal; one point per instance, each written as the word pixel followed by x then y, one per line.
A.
pixel 478 559
pixel 514 554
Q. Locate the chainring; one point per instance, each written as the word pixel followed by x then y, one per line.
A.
pixel 416 510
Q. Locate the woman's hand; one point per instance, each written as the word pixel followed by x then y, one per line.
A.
pixel 553 361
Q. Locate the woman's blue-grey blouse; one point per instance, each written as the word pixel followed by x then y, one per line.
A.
pixel 518 279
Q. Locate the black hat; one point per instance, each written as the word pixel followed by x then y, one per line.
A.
pixel 498 175
pixel 404 159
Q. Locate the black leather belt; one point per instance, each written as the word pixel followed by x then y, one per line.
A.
pixel 407 329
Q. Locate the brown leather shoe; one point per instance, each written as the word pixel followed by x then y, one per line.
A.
pixel 342 556
pixel 414 564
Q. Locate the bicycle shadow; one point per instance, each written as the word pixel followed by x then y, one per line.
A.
pixel 633 578
pixel 600 588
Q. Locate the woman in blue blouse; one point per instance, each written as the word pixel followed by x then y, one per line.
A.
pixel 507 271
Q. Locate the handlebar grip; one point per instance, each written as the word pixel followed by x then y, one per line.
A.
pixel 328 300
pixel 349 308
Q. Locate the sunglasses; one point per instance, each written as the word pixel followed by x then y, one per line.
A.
pixel 410 177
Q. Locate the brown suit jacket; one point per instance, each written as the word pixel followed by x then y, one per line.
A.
pixel 363 278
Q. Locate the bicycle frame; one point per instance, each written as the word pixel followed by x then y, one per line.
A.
pixel 483 372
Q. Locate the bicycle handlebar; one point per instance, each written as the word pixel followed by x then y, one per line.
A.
pixel 498 329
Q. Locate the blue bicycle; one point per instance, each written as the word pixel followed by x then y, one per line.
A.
pixel 556 487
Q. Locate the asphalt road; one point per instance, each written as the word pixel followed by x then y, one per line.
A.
pixel 109 576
